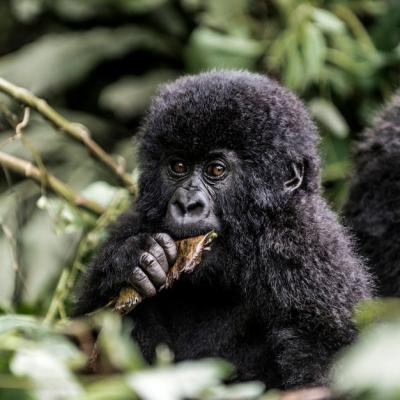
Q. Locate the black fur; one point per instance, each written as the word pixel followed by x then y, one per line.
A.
pixel 276 292
pixel 373 208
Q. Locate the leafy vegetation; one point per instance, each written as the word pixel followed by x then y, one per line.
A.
pixel 98 62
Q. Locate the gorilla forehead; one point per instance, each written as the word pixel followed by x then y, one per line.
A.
pixel 234 110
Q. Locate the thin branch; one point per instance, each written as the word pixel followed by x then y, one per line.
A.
pixel 13 246
pixel 27 143
pixel 24 123
pixel 28 170
pixel 11 118
pixel 75 130
pixel 89 241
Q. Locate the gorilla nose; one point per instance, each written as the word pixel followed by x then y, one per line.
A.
pixel 188 207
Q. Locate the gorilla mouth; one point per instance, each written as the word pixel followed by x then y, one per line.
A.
pixel 183 231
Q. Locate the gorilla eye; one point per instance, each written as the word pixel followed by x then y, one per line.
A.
pixel 179 167
pixel 215 170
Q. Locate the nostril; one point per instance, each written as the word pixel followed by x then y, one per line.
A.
pixel 188 205
pixel 180 206
pixel 195 206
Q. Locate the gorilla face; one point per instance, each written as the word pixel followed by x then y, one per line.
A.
pixel 193 207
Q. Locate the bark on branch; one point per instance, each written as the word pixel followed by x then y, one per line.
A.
pixel 28 170
pixel 74 130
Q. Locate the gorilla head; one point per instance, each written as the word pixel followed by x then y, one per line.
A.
pixel 222 147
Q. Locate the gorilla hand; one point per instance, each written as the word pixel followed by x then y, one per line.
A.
pixel 138 260
pixel 150 273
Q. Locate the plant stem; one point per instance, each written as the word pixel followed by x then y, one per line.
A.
pixel 28 170
pixel 75 130
pixel 69 274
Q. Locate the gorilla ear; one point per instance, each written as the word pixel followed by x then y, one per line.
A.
pixel 297 178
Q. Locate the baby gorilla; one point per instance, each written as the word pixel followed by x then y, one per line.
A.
pixel 236 153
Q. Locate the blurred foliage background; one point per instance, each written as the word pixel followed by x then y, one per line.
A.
pixel 98 62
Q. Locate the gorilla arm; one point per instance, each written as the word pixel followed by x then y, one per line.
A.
pixel 315 322
pixel 108 271
pixel 129 257
pixel 305 292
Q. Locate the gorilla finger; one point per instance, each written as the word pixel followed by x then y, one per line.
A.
pixel 159 253
pixel 142 283
pixel 153 269
pixel 169 245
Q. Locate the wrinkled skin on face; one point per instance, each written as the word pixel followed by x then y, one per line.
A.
pixel 236 153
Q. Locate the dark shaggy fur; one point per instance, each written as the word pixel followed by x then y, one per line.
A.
pixel 275 294
pixel 373 209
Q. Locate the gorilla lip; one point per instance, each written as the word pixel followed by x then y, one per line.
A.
pixel 183 232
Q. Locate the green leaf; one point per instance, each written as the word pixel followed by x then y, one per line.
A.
pixel 180 381
pixel 27 10
pixel 293 71
pixel 50 377
pixel 56 61
pixel 377 310
pixel 314 51
pixel 241 391
pixel 130 96
pixel 328 21
pixel 60 236
pixel 329 117
pixel 115 342
pixel 100 191
pixel 208 49
pixel 371 365
pixel 276 55
pixel 17 322
pixel 108 388
pixel 340 82
pixel 227 15
pixel 336 170
pixel 137 6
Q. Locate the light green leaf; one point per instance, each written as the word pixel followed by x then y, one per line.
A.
pixel 101 192
pixel 180 381
pixel 328 21
pixel 329 117
pixel 293 73
pixel 314 51
pixel 17 322
pixel 242 391
pixel 372 365
pixel 130 96
pixel 210 49
pixel 51 378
